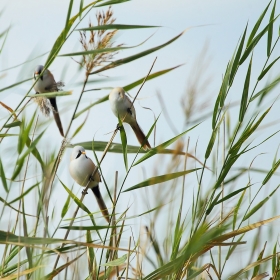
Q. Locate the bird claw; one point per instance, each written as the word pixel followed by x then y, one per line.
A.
pixel 119 126
pixel 84 192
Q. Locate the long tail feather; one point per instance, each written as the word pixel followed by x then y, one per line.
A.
pixel 56 116
pixel 101 203
pixel 141 136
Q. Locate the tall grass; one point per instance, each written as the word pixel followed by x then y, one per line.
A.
pixel 190 234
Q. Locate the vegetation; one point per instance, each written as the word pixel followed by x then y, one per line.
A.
pixel 203 235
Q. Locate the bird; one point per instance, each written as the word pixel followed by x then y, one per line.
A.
pixel 81 168
pixel 123 108
pixel 46 83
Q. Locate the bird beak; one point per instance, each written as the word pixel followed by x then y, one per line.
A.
pixel 83 153
pixel 36 75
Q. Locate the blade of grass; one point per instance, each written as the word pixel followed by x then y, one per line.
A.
pixel 68 17
pixel 51 94
pixel 80 205
pixel 116 26
pixel 259 205
pixel 216 201
pixel 257 268
pixel 271 172
pixel 86 227
pixel 112 2
pixel 244 98
pixel 267 89
pixel 116 262
pixel 267 69
pixel 91 257
pixel 254 42
pixel 160 179
pixel 98 51
pixel 136 56
pixel 24 193
pixel 63 36
pixel 235 64
pixel 13 124
pixel 150 77
pixel 3 177
pixel 65 207
pixel 159 148
pixel 124 143
pixel 270 30
pixel 257 25
pixel 15 84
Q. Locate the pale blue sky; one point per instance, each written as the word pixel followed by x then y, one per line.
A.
pixel 217 25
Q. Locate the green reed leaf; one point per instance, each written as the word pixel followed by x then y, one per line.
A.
pixel 235 64
pixel 24 193
pixel 136 56
pixel 124 143
pixel 116 262
pixel 61 39
pixel 244 98
pixel 65 207
pixel 270 30
pixel 161 147
pixel 259 205
pixel 76 199
pixel 254 42
pixel 116 26
pixel 13 124
pixel 112 2
pixel 271 172
pixel 3 177
pixel 87 227
pixel 263 73
pixel 160 179
pixel 15 84
pixel 92 265
pixel 257 25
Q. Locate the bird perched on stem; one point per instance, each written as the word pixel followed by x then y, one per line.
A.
pixel 123 108
pixel 81 169
pixel 46 83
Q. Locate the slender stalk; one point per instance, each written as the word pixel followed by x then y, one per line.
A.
pixel 57 161
pixel 84 192
pixel 128 255
pixel 114 222
pixel 222 204
pixel 132 161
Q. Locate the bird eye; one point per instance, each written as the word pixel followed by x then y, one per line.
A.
pixel 79 153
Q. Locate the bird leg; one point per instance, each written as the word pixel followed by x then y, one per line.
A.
pixel 119 126
pixel 84 191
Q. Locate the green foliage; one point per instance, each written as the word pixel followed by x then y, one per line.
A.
pixel 226 200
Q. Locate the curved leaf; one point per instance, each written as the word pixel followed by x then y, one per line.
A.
pixel 116 26
pixel 159 148
pixel 136 56
pixel 160 179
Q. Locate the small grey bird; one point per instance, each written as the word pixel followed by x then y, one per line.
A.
pixel 47 83
pixel 81 168
pixel 123 108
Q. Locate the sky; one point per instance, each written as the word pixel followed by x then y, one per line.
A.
pixel 213 28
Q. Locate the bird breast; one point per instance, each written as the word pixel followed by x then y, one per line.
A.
pixel 81 170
